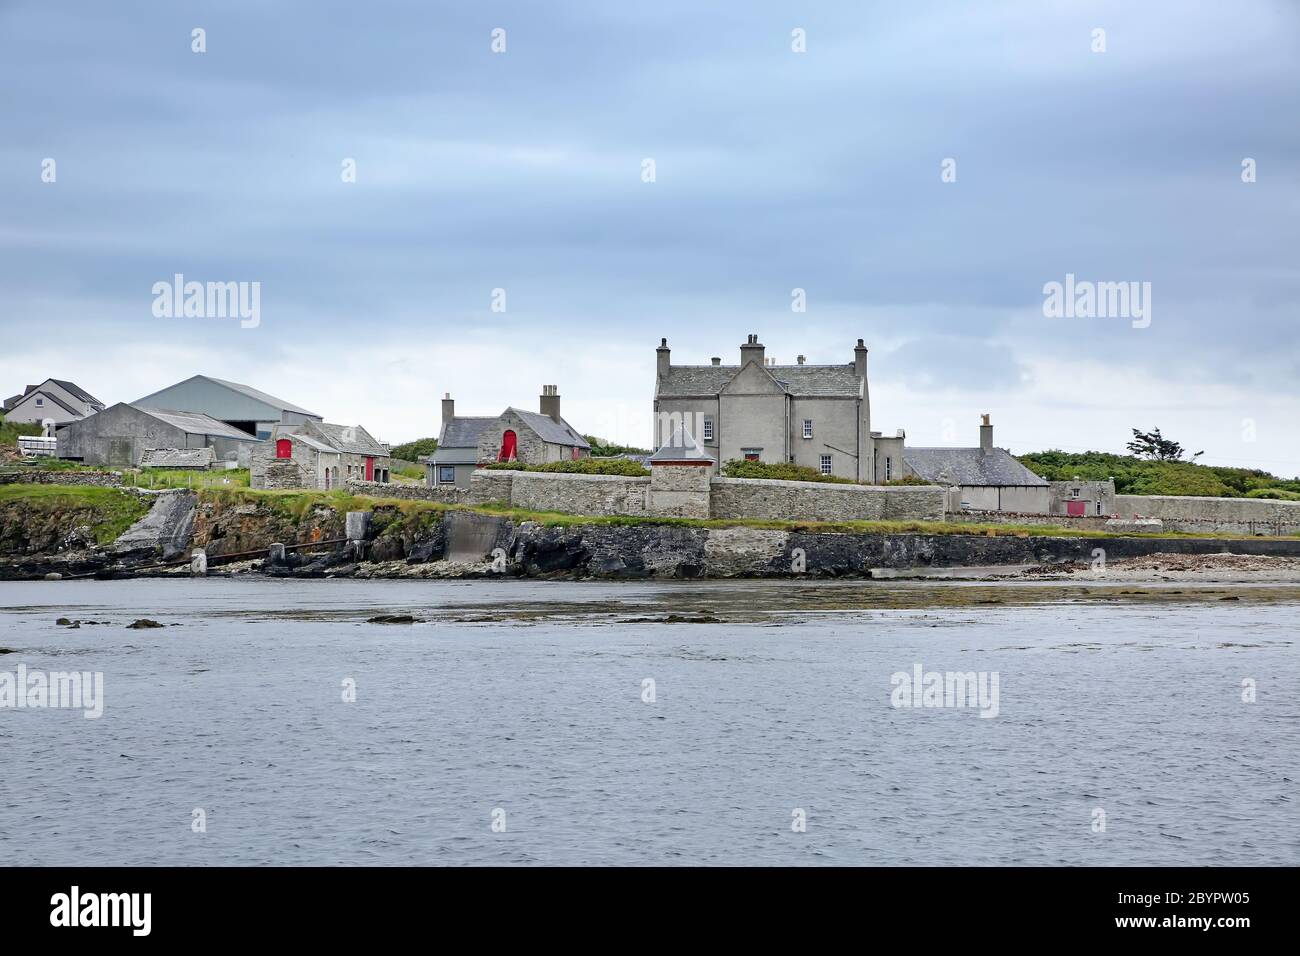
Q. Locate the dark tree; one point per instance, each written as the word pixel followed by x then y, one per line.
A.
pixel 1155 447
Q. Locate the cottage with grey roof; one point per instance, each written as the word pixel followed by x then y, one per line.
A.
pixel 466 442
pixel 986 478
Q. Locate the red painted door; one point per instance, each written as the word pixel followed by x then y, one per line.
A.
pixel 283 448
pixel 508 442
pixel 370 469
pixel 1076 509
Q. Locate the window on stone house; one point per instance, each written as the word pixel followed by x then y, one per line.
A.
pixel 40 402
pixel 807 428
pixel 1074 492
pixel 446 475
pixel 826 464
pixel 751 454
pixel 707 428
pixel 889 468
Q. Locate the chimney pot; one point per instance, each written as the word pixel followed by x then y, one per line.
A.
pixel 716 360
pixel 986 435
pixel 801 359
pixel 550 402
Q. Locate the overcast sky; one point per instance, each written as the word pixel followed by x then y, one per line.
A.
pixel 774 170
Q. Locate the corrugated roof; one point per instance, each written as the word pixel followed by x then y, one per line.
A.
pixel 246 390
pixel 196 423
pixel 690 381
pixel 462 432
pixel 549 430
pixel 969 466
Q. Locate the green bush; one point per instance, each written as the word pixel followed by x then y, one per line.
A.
pixel 736 468
pixel 600 448
pixel 1137 476
pixel 579 466
pixel 10 432
pixel 414 450
pixel 1275 493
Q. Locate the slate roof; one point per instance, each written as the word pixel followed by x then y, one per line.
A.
pixel 549 430
pixel 969 466
pixel 196 424
pixel 681 446
pixel 178 458
pixel 351 440
pixel 693 381
pixel 462 432
pixel 11 401
pixel 78 392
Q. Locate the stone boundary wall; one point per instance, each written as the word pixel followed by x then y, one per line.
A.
pixel 447 494
pixel 101 479
pixel 767 498
pixel 572 494
pixel 1085 523
pixel 1201 515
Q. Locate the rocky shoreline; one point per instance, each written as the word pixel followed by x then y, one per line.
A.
pixel 237 536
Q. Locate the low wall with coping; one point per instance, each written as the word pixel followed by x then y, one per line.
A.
pixel 823 501
pixel 573 494
pixel 101 479
pixel 447 494
pixel 1202 515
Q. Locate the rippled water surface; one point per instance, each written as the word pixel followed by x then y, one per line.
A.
pixel 770 697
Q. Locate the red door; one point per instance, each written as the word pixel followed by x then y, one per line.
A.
pixel 370 469
pixel 283 448
pixel 1076 509
pixel 508 442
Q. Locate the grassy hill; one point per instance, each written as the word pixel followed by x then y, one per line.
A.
pixel 1137 476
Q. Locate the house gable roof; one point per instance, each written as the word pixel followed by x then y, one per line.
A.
pixel 349 439
pixel 969 466
pixel 753 379
pixel 34 393
pixel 549 430
pixel 77 392
pixel 707 381
pixel 680 447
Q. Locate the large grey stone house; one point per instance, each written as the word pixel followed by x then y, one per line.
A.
pixel 246 408
pixel 123 434
pixel 318 455
pixel 466 442
pixel 818 416
pixel 52 400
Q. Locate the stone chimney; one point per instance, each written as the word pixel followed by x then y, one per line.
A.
pixel 716 360
pixel 662 356
pixel 860 360
pixel 752 351
pixel 550 401
pixel 448 407
pixel 801 359
pixel 986 435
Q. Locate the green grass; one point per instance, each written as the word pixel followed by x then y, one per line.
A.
pixel 110 511
pixel 11 431
pixel 184 478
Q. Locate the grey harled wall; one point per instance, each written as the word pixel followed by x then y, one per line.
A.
pixel 1204 515
pixel 824 501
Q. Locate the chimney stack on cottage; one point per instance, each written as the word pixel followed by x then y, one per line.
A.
pixel 550 401
pixel 801 359
pixel 662 355
pixel 751 351
pixel 860 360
pixel 448 407
pixel 986 435
pixel 716 360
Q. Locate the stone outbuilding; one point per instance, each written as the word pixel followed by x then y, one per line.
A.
pixel 981 479
pixel 122 434
pixel 680 472
pixel 318 455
